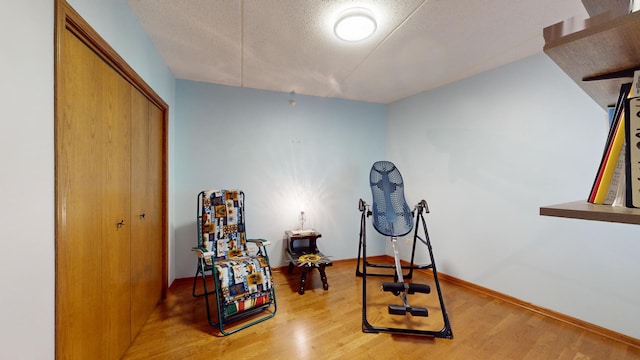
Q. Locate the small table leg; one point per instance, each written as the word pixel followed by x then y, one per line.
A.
pixel 291 267
pixel 323 276
pixel 303 280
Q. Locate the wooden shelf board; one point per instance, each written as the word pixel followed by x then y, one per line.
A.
pixel 587 211
pixel 603 46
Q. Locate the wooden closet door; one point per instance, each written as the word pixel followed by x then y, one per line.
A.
pixel 116 203
pixel 157 186
pixel 146 193
pixel 110 143
pixel 93 240
pixel 79 310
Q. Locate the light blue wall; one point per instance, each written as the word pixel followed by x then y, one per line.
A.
pixel 313 156
pixel 486 153
pixel 27 267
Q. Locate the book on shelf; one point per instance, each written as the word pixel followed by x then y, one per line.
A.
pixel 611 111
pixel 611 167
pixel 632 146
pixel 616 193
pixel 621 193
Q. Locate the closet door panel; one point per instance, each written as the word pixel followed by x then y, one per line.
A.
pixel 146 207
pixel 116 225
pixel 79 310
pixel 155 200
pixel 141 302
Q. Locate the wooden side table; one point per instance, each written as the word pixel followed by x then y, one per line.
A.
pixel 303 252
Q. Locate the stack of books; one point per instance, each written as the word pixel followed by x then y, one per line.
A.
pixel 617 181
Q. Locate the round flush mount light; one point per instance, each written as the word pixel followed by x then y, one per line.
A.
pixel 355 24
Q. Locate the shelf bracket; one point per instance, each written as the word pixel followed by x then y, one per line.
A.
pixel 626 73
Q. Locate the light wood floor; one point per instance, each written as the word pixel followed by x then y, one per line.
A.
pixel 327 325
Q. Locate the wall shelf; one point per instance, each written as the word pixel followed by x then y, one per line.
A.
pixel 587 211
pixel 603 45
pixel 600 45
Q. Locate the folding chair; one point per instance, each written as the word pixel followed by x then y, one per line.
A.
pixel 243 286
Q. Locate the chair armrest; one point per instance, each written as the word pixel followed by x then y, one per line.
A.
pixel 202 253
pixel 260 242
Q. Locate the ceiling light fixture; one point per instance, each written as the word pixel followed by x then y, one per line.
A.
pixel 355 24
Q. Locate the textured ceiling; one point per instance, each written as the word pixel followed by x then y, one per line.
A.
pixel 288 45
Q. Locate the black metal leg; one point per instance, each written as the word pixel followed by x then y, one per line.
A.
pixel 195 281
pixel 200 270
pixel 206 297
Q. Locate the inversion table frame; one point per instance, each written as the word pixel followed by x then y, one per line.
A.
pixel 367 327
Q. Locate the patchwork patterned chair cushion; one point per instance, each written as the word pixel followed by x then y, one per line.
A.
pixel 245 283
pixel 223 224
pixel 244 280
